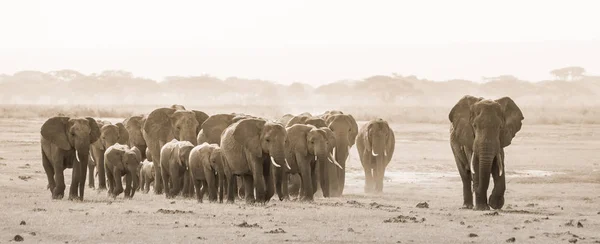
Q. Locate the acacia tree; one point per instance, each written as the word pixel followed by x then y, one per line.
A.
pixel 568 73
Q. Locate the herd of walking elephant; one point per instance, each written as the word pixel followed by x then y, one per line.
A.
pixel 187 152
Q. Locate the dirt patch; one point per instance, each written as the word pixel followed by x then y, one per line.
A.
pixel 168 211
pixel 404 219
pixel 246 225
pixel 276 231
pixel 24 177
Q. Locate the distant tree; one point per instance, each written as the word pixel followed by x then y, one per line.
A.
pixel 568 73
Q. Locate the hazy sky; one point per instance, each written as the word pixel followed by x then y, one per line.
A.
pixel 308 41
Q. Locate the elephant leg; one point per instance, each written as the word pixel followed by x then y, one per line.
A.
pixel 497 198
pixel 147 187
pixel 142 181
pixel 211 184
pixel 165 182
pixel 91 169
pixel 129 191
pixel 186 184
pixel 462 163
pixel 59 178
pixel 221 184
pixel 239 186
pixel 231 188
pixel 176 180
pixel 75 177
pixel 110 182
pixel 159 183
pixel 199 192
pixel 249 188
pixel 99 158
pixel 118 184
pixel 49 172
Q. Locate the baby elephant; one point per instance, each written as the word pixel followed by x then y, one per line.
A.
pixel 174 157
pixel 119 161
pixel 375 144
pixel 206 169
pixel 146 176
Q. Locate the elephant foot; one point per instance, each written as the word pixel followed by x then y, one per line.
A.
pixel 75 198
pixel 100 189
pixel 496 202
pixel 230 202
pixel 58 196
pixel 91 186
pixel 250 200
pixel 481 207
pixel 467 206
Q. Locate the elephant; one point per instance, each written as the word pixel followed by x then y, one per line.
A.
pixel 147 172
pixel 174 157
pixel 306 147
pixel 206 166
pixel 480 130
pixel 134 126
pixel 109 135
pixel 178 107
pixel 165 124
pixel 375 144
pixel 345 129
pixel 285 119
pixel 65 143
pixel 121 160
pixel 250 146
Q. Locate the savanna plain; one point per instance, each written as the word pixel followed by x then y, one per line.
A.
pixel 553 196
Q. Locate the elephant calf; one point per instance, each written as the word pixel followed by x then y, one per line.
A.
pixel 121 160
pixel 174 157
pixel 206 169
pixel 375 143
pixel 147 172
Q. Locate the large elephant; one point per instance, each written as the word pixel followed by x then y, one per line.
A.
pixel 345 129
pixel 306 148
pixel 109 135
pixel 165 124
pixel 250 146
pixel 207 171
pixel 480 131
pixel 375 143
pixel 174 162
pixel 65 144
pixel 211 132
pixel 121 160
pixel 134 126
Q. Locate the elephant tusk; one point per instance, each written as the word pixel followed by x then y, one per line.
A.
pixel 385 152
pixel 287 164
pixel 374 154
pixel 333 161
pixel 333 151
pixel 471 163
pixel 275 164
pixel 77 156
pixel 92 158
pixel 500 164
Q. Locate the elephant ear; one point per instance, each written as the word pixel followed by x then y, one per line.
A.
pixel 512 120
pixel 200 117
pixel 138 153
pixel 460 117
pixel 55 130
pixel 158 123
pixel 94 130
pixel 353 129
pixel 247 132
pixel 215 125
pixel 296 137
pixel 123 134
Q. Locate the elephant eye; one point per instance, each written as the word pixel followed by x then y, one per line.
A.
pixel 72 133
pixel 268 140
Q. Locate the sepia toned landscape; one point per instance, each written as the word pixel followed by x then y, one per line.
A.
pixel 299 121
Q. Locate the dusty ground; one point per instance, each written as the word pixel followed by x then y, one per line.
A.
pixel 553 196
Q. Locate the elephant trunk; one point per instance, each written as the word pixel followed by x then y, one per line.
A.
pixel 378 146
pixel 278 159
pixel 136 180
pixel 485 153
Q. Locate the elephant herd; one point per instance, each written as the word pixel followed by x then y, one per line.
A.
pixel 189 153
